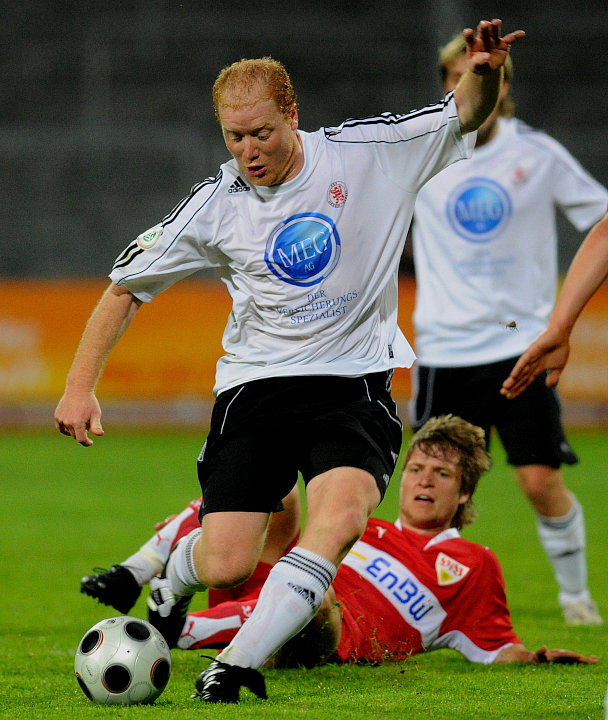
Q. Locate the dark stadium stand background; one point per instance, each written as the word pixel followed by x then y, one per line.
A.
pixel 106 117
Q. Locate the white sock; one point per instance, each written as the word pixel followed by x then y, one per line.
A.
pixel 563 539
pixel 289 599
pixel 154 553
pixel 181 569
pixel 143 567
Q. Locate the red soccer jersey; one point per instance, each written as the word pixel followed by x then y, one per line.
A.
pixel 403 593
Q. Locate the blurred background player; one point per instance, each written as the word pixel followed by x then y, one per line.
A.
pixel 406 587
pixel 485 252
pixel 549 352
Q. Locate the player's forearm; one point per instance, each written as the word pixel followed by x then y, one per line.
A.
pixel 516 653
pixel 104 328
pixel 588 271
pixel 476 96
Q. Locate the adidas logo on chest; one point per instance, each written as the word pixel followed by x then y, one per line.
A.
pixel 238 186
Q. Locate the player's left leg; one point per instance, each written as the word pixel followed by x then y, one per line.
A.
pixel 531 431
pixel 561 529
pixel 216 626
pixel 317 642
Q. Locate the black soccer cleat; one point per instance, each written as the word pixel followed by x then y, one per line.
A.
pixel 221 683
pixel 170 627
pixel 116 587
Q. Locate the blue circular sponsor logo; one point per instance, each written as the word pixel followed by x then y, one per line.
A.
pixel 304 249
pixel 479 209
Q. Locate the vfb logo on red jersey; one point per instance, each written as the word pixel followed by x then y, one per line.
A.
pixel 449 571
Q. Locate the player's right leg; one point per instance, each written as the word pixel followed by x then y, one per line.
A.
pixel 244 474
pixel 463 391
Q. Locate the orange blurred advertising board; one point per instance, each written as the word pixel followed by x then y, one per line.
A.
pixel 172 347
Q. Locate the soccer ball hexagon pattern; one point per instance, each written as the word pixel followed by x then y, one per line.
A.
pixel 123 660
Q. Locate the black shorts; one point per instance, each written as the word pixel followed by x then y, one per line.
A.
pixel 529 426
pixel 263 432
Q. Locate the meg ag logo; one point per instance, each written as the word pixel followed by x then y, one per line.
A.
pixel 304 249
pixel 478 209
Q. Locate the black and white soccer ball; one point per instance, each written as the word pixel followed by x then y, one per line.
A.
pixel 122 660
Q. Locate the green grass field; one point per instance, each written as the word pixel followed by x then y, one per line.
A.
pixel 67 509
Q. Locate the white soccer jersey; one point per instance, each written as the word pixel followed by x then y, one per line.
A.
pixel 485 246
pixel 311 265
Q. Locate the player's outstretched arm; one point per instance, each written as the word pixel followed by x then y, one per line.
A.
pixel 551 349
pixel 78 411
pixel 478 90
pixel 521 654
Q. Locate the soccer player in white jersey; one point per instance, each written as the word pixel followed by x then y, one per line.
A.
pixel 404 588
pixel 485 253
pixel 549 352
pixel 306 231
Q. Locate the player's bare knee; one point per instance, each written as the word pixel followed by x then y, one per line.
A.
pixel 543 485
pixel 351 523
pixel 334 536
pixel 224 572
pixel 224 579
pixel 535 492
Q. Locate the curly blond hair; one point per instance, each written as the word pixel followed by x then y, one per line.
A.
pixel 448 434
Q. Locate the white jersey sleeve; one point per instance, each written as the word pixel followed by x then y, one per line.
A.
pixel 413 147
pixel 581 198
pixel 175 248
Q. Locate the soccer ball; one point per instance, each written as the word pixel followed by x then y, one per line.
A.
pixel 122 660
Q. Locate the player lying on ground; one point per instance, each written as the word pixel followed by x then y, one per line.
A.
pixel 404 588
pixel 549 352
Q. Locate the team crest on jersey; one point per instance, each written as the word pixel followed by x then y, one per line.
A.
pixel 519 176
pixel 149 238
pixel 337 194
pixel 304 249
pixel 449 571
pixel 479 209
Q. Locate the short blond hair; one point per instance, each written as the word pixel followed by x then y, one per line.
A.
pixel 266 72
pixel 448 434
pixel 457 46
